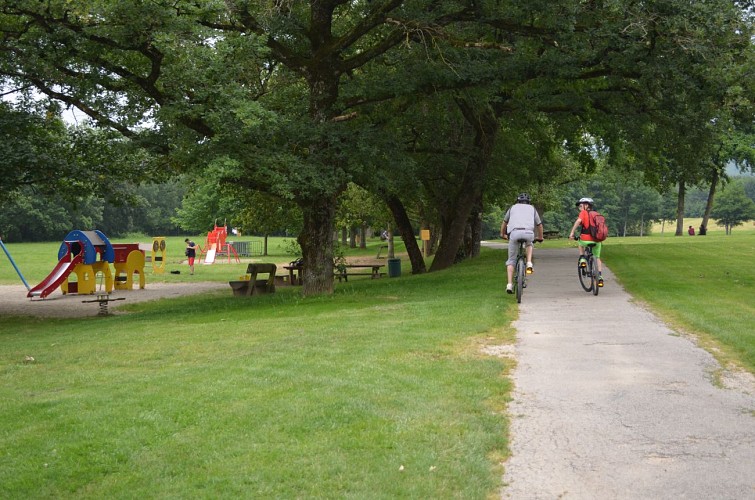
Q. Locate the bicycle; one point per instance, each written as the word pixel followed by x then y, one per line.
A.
pixel 520 270
pixel 588 274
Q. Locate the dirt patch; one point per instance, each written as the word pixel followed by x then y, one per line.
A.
pixel 13 300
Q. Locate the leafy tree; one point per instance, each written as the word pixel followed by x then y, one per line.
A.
pixel 291 92
pixel 27 216
pixel 733 207
pixel 266 214
pixel 359 209
pixel 31 151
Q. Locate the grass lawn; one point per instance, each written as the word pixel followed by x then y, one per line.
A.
pixel 379 391
pixel 703 285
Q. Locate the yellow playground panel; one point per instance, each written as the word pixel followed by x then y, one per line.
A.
pixel 129 260
pixel 86 278
pixel 158 255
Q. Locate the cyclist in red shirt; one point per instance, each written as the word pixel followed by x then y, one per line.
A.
pixel 585 238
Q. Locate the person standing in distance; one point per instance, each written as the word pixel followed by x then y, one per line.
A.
pixel 585 205
pixel 191 253
pixel 520 223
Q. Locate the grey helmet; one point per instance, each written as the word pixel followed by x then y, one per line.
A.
pixel 523 198
pixel 585 200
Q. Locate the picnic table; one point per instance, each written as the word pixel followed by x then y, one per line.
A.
pixel 294 273
pixel 253 285
pixel 343 271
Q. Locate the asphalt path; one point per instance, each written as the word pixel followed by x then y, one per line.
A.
pixel 620 407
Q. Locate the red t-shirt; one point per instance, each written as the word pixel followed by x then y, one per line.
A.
pixel 584 218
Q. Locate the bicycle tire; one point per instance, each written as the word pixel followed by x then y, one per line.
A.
pixel 593 267
pixel 520 272
pixel 584 276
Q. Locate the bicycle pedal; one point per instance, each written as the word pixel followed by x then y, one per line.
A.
pixel 529 271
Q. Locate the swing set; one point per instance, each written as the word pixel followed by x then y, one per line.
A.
pixel 13 263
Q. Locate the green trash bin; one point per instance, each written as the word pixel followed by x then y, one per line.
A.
pixel 394 268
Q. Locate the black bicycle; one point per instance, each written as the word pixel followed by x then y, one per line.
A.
pixel 520 271
pixel 588 271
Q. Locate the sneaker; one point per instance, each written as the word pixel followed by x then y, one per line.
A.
pixel 509 288
pixel 600 281
pixel 529 268
pixel 582 262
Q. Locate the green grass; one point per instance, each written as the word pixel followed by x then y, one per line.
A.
pixel 703 285
pixel 280 396
pixel 273 396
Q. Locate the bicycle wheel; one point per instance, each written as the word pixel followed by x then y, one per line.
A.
pixel 519 270
pixel 584 275
pixel 593 267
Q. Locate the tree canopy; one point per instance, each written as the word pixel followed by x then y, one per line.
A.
pixel 457 98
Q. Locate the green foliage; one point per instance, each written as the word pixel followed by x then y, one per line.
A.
pixel 33 153
pixel 297 97
pixel 733 207
pixel 265 214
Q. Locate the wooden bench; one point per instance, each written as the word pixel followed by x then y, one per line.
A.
pixel 253 285
pixel 343 272
pixel 551 235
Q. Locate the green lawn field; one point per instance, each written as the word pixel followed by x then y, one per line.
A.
pixel 381 390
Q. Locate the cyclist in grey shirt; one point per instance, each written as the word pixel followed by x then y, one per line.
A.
pixel 520 223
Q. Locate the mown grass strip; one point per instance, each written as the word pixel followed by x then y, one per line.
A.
pixel 378 391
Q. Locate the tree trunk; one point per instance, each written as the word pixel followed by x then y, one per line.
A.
pixel 264 250
pixel 391 246
pixel 344 236
pixel 714 178
pixel 680 210
pixel 406 231
pixel 363 239
pixel 316 241
pixel 470 189
pixel 472 245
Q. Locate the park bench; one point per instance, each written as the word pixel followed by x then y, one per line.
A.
pixel 551 235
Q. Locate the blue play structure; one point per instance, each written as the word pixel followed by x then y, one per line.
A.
pixel 14 264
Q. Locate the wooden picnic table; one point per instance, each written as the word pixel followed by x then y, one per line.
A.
pixel 254 286
pixel 294 274
pixel 343 272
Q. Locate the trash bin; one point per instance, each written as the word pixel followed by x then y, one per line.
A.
pixel 394 268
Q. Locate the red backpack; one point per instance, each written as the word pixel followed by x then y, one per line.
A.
pixel 598 227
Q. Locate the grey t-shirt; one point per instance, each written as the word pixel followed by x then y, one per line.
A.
pixel 522 216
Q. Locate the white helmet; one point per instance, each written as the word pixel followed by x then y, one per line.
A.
pixel 585 200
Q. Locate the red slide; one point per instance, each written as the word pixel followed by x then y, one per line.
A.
pixel 56 277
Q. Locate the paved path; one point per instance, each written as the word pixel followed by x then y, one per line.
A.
pixel 627 410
